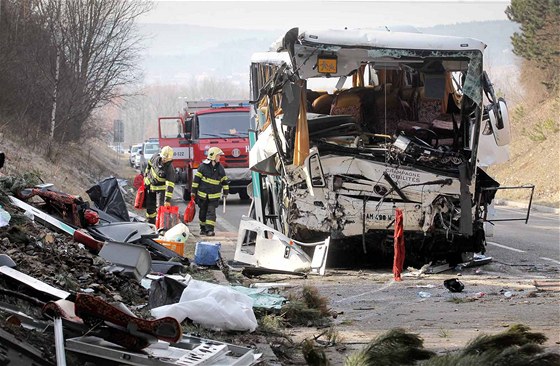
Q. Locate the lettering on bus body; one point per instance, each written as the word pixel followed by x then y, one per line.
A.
pixel 404 175
pixel 379 217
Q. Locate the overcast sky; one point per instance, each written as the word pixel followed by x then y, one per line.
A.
pixel 283 15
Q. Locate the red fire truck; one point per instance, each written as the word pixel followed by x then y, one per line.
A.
pixel 204 124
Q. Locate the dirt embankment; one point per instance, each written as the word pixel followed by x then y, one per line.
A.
pixel 534 153
pixel 72 168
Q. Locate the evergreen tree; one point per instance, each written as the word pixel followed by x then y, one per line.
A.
pixel 539 40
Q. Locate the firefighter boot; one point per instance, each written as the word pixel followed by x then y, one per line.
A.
pixel 202 229
pixel 210 231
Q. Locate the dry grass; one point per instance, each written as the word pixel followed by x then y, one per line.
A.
pixel 534 153
pixel 271 323
pixel 515 347
pixel 72 168
pixel 307 308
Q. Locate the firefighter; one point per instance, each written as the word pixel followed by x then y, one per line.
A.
pixel 208 183
pixel 159 179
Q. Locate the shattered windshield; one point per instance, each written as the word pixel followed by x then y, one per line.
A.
pixel 224 124
pixel 350 59
pixel 472 86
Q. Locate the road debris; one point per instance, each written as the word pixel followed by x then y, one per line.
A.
pixel 68 290
pixel 453 285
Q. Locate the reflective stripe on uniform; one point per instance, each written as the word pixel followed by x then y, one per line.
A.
pixel 157 188
pixel 156 176
pixel 211 181
pixel 225 186
pixel 210 222
pixel 214 195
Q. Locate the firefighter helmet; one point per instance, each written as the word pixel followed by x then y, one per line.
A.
pixel 213 152
pixel 166 153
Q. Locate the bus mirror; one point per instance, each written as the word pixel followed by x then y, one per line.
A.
pixel 499 120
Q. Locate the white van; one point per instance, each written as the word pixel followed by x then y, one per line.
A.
pixel 133 152
pixel 149 148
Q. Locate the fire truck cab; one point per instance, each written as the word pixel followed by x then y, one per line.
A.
pixel 204 124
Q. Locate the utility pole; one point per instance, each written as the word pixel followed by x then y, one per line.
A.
pixel 55 93
pixel 57 38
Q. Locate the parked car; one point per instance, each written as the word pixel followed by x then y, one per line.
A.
pixel 133 152
pixel 149 148
pixel 140 160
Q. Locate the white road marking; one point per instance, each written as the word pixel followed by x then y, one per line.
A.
pixel 505 247
pixel 386 285
pixel 550 259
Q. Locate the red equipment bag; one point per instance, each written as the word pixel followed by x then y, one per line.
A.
pixel 167 217
pixel 190 211
pixel 138 181
pixel 139 202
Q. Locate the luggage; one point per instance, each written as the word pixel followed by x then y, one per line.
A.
pixel 167 217
pixel 190 211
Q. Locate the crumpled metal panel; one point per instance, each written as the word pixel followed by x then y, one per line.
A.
pixel 342 212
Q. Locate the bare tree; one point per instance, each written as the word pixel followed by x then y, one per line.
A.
pixel 97 48
pixel 25 53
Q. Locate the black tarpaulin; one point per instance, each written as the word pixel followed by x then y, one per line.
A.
pixel 107 197
pixel 165 291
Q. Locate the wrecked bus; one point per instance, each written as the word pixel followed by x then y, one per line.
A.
pixel 348 125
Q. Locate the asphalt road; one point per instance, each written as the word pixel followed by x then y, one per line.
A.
pixel 513 242
pixel 536 242
pixel 227 222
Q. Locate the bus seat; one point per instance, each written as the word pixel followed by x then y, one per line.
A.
pixel 322 105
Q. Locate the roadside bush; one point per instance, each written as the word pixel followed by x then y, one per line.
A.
pixel 541 130
pixel 306 308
